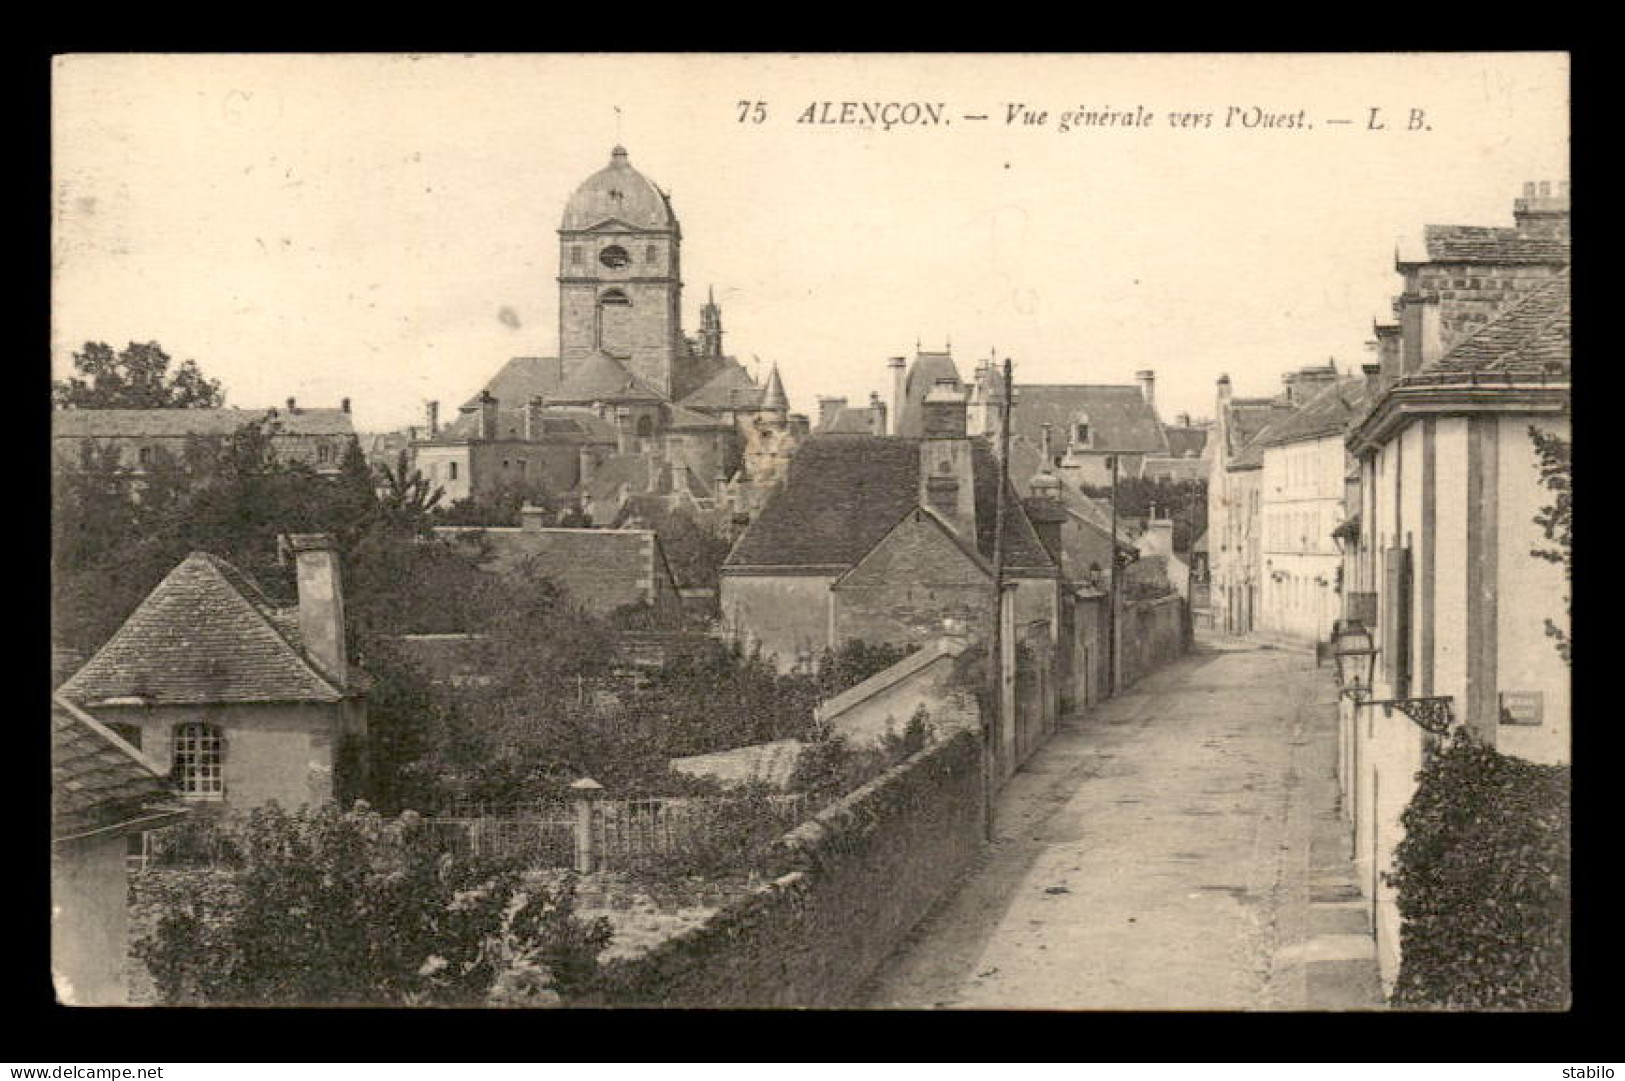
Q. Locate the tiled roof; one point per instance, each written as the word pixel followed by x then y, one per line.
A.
pixel 1025 460
pixel 522 379
pixel 176 423
pixel 842 494
pixel 205 634
pixel 922 376
pixel 603 485
pixel 848 420
pixel 1491 245
pixel 1328 413
pixel 599 378
pixel 1532 336
pixel 679 416
pixel 1120 419
pixel 98 780
pixel 602 569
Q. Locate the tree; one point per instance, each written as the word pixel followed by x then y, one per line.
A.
pixel 1556 465
pixel 138 377
pixel 345 908
pixel 1182 501
pixel 695 552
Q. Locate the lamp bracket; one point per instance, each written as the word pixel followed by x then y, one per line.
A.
pixel 1432 715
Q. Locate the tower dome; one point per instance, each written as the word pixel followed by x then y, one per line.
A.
pixel 618 192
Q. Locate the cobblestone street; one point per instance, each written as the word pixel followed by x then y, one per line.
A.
pixel 1176 848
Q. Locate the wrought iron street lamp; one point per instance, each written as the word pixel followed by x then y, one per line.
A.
pixel 1356 659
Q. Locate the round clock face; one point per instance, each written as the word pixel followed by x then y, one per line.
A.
pixel 614 257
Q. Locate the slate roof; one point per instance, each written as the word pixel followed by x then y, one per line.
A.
pixel 1248 417
pixel 1532 336
pixel 205 634
pixel 843 494
pixel 178 423
pixel 602 569
pixel 1329 412
pixel 522 379
pixel 922 376
pixel 1185 442
pixel 1492 245
pixel 1120 419
pixel 600 378
pixel 618 193
pixel 98 781
pixel 559 424
pixel 848 420
pixel 730 388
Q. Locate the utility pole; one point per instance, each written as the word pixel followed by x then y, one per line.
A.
pixel 1111 591
pixel 994 736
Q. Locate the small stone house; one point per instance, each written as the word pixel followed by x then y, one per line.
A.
pixel 241 701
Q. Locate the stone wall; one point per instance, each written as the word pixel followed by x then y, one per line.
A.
pixel 860 875
pixel 1152 633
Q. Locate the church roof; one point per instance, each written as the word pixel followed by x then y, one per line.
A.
pixel 204 634
pixel 843 494
pixel 602 379
pixel 522 379
pixel 560 424
pixel 618 194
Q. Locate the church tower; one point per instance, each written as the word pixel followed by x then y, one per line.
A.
pixel 620 282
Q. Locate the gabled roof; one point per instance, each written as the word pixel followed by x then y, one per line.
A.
pixel 1326 414
pixel 681 417
pixel 848 420
pixel 1185 442
pixel 205 634
pixel 1120 419
pixel 560 424
pixel 1492 245
pixel 1246 418
pixel 919 515
pixel 1531 336
pixel 176 423
pixel 98 781
pixel 1025 461
pixel 842 494
pixel 601 569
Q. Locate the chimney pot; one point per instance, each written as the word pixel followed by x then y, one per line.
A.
pixel 434 419
pixel 344 404
pixel 321 600
pixel 291 405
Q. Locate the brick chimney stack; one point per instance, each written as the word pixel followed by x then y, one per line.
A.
pixel 434 419
pixel 344 404
pixel 534 427
pixel 293 406
pixel 321 600
pixel 488 415
pixel 828 409
pixel 877 414
pixel 944 410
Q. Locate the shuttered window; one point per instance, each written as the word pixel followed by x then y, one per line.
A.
pixel 1396 620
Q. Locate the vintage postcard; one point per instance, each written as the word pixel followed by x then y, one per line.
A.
pixel 898 531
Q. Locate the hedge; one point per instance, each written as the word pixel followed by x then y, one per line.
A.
pixel 1483 883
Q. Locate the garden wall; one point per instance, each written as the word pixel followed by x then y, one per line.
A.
pixel 857 878
pixel 1152 634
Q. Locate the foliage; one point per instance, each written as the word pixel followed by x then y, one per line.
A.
pixel 406 498
pixel 1182 501
pixel 1483 881
pixel 694 550
pixel 734 838
pixel 1556 520
pixel 348 908
pixel 136 377
pixel 500 508
pixel 854 662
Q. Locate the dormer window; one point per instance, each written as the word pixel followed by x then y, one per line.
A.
pixel 1081 435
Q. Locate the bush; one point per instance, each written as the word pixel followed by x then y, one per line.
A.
pixel 1483 881
pixel 348 908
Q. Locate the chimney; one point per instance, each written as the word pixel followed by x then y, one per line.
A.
pixel 1542 211
pixel 1373 380
pixel 1045 512
pixel 1389 345
pixel 1420 332
pixel 434 419
pixel 943 412
pixel 877 414
pixel 532 518
pixel 344 404
pixel 321 600
pixel 899 384
pixel 488 415
pixel 1224 389
pixel 1183 420
pixel 1148 385
pixel 292 406
pixel 1289 386
pixel 828 408
pixel 1048 445
pixel 534 429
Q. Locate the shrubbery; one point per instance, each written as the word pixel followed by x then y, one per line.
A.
pixel 1483 881
pixel 349 908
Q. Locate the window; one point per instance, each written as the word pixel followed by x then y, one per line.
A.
pixel 575 256
pixel 144 456
pixel 324 452
pixel 452 467
pixel 651 254
pixel 614 257
pixel 197 758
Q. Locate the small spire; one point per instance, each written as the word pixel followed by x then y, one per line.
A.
pixel 774 397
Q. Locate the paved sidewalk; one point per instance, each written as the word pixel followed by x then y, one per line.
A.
pixel 1176 848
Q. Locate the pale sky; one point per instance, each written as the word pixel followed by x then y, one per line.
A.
pixel 383 228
